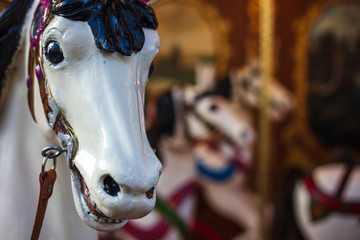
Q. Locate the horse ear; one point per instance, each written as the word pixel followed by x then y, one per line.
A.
pixel 149 2
pixel 223 87
pixel 166 114
pixel 205 75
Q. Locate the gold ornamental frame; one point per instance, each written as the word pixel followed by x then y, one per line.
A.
pixel 218 25
pixel 252 36
pixel 266 52
pixel 304 149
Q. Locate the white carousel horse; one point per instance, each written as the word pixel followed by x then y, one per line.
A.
pixel 222 162
pixel 321 203
pixel 223 169
pixel 328 197
pixel 226 187
pixel 186 117
pixel 85 65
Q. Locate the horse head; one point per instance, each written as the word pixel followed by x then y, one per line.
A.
pixel 209 116
pixel 194 114
pixel 247 82
pixel 88 66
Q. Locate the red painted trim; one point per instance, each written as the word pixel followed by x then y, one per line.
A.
pixel 154 233
pixel 205 230
pixel 161 227
pixel 330 202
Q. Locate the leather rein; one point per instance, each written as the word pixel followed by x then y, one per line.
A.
pixel 47 180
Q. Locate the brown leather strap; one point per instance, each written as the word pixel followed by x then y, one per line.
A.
pixel 46 189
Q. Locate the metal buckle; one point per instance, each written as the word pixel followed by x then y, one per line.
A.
pixel 50 152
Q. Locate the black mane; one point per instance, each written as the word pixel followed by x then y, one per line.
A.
pixel 116 24
pixel 11 22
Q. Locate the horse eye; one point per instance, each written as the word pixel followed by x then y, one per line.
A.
pixel 213 108
pixel 53 52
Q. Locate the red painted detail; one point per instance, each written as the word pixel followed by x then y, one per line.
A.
pixel 330 202
pixel 206 231
pixel 161 227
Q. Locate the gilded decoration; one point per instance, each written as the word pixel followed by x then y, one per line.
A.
pixel 253 32
pixel 266 49
pixel 251 40
pixel 303 148
pixel 219 27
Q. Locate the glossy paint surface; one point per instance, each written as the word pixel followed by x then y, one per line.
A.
pixel 98 96
pixel 116 25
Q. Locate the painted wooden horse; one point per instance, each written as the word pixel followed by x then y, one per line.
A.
pixel 223 170
pixel 222 155
pixel 322 202
pixel 227 187
pixel 80 67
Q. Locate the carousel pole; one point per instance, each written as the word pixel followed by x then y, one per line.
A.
pixel 266 15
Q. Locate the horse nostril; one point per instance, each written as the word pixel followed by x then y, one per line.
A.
pixel 150 193
pixel 110 186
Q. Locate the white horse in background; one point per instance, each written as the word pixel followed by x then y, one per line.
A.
pixel 222 169
pixel 328 197
pixel 322 202
pixel 85 76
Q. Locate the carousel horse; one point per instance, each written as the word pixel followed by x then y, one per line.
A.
pixel 187 117
pixel 225 185
pixel 324 201
pixel 328 197
pixel 222 169
pixel 80 67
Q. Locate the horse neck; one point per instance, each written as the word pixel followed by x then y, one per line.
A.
pixel 20 146
pixel 17 128
pixel 19 136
